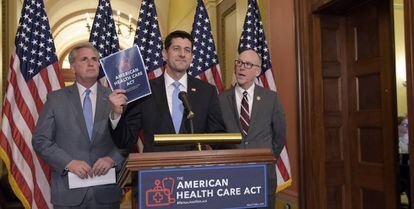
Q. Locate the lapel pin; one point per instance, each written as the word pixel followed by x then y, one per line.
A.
pixel 258 98
pixel 193 89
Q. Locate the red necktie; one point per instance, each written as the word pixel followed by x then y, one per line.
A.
pixel 244 114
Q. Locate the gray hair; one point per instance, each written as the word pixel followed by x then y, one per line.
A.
pixel 75 50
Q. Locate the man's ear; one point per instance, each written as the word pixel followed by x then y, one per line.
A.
pixel 258 71
pixel 72 69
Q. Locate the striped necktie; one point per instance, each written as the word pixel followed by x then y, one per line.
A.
pixel 244 114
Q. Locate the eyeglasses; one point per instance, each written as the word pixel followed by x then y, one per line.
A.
pixel 247 65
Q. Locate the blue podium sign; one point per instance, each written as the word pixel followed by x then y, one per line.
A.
pixel 213 187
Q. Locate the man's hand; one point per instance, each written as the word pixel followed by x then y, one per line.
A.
pixel 102 166
pixel 80 168
pixel 118 101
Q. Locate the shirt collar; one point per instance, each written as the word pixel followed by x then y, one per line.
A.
pixel 82 89
pixel 250 90
pixel 169 80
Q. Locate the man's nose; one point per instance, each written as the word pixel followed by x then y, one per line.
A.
pixel 182 53
pixel 91 62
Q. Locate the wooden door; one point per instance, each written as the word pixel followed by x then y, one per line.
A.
pixel 357 143
pixel 372 106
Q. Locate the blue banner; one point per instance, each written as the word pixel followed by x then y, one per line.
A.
pixel 126 70
pixel 212 187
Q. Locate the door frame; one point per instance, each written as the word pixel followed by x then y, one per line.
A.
pixel 308 31
pixel 409 56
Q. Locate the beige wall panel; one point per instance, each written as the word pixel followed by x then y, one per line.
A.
pixel 400 59
pixel 181 15
pixel 280 26
pixel 231 44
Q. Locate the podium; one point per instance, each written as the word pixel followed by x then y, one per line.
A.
pixel 201 179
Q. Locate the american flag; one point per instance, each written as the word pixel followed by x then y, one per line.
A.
pixel 103 34
pixel 148 39
pixel 33 73
pixel 205 63
pixel 253 37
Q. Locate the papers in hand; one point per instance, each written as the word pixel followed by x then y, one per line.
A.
pixel 76 182
pixel 126 70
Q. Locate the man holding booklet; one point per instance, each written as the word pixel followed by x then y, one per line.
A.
pixel 163 111
pixel 72 136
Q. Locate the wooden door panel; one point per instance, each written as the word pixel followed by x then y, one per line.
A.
pixel 334 146
pixel 358 116
pixel 332 94
pixel 368 92
pixel 335 114
pixel 372 113
pixel 335 197
pixel 349 144
pixel 372 199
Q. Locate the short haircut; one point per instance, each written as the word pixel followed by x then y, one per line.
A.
pixel 257 53
pixel 75 50
pixel 178 34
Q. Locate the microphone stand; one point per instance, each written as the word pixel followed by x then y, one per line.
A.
pixel 190 116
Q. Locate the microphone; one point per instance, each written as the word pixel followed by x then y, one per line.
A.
pixel 183 97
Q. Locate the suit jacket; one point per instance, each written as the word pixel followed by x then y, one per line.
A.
pixel 267 120
pixel 61 136
pixel 152 116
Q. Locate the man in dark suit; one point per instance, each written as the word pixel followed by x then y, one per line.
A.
pixel 72 135
pixel 254 111
pixel 162 112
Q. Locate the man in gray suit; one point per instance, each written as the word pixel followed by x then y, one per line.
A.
pixel 264 125
pixel 254 111
pixel 72 135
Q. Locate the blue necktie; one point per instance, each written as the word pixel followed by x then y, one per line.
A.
pixel 177 107
pixel 87 112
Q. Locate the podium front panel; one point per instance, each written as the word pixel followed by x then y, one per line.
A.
pixel 212 186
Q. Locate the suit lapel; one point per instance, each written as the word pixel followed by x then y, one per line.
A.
pixel 73 95
pixel 231 99
pixel 160 97
pixel 192 92
pixel 256 106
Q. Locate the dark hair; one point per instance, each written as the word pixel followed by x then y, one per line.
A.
pixel 177 34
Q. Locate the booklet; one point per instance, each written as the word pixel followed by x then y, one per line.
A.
pixel 126 70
